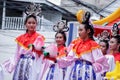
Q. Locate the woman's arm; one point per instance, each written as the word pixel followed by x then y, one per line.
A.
pixel 10 64
pixel 100 62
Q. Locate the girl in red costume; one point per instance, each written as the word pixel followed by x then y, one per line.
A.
pixel 52 70
pixel 115 47
pixel 85 58
pixel 28 52
pixel 104 47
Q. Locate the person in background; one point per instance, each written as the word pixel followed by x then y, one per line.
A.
pixel 114 46
pixel 85 58
pixel 115 30
pixel 28 50
pixel 115 51
pixel 104 45
pixel 105 35
pixel 58 50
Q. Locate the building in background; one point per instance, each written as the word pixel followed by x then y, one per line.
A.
pixel 51 13
pixel 55 10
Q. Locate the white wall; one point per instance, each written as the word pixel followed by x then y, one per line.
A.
pixel 53 16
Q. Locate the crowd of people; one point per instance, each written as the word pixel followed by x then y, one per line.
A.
pixel 84 58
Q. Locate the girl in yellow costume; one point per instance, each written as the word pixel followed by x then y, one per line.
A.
pixel 85 58
pixel 24 62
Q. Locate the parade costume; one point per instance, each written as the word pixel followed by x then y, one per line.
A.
pixel 56 50
pixel 116 56
pixel 27 58
pixel 83 61
pixel 111 63
pixel 114 74
pixel 50 67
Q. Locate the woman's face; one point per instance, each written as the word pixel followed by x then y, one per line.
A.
pixel 105 35
pixel 82 32
pixel 113 44
pixel 31 24
pixel 103 47
pixel 59 39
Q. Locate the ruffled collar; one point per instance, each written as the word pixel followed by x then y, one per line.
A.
pixel 25 39
pixel 60 47
pixel 116 56
pixel 30 34
pixel 83 47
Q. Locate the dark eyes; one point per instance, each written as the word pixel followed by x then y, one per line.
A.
pixel 58 37
pixel 111 42
pixel 31 22
pixel 80 29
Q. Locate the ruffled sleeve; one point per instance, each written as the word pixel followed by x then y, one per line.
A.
pixel 38 44
pixel 9 65
pixel 111 62
pixel 86 50
pixel 100 62
pixel 64 62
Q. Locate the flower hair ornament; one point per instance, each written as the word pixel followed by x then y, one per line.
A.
pixel 60 27
pixel 115 29
pixel 83 17
pixel 33 9
pixel 79 15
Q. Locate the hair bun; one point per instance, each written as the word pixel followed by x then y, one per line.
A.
pixel 86 17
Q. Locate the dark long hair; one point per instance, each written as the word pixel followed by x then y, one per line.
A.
pixel 29 16
pixel 60 30
pixel 88 25
pixel 63 34
pixel 106 42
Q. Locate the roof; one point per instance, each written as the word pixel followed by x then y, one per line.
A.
pixel 110 8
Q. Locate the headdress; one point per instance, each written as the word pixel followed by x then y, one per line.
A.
pixel 86 17
pixel 86 20
pixel 33 9
pixel 60 27
pixel 115 29
pixel 80 15
pixel 105 32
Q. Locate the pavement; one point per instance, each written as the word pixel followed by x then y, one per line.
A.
pixel 8 45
